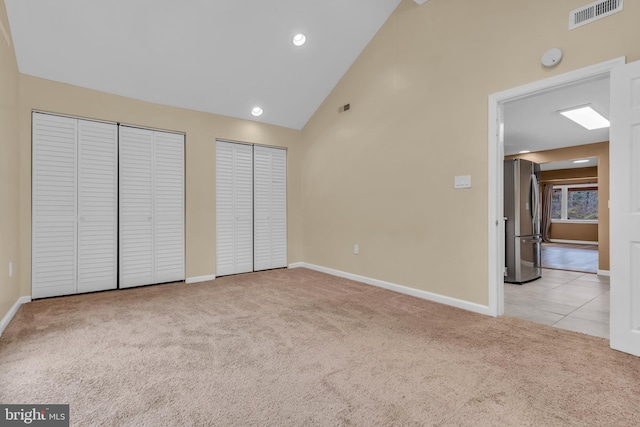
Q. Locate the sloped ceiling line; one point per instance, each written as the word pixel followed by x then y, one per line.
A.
pixel 222 57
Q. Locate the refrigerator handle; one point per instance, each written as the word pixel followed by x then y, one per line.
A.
pixel 534 240
pixel 536 198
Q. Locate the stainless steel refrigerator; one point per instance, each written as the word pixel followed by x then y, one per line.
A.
pixel 522 212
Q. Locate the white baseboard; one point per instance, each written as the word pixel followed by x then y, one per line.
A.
pixel 575 242
pixel 12 312
pixel 604 273
pixel 454 302
pixel 197 279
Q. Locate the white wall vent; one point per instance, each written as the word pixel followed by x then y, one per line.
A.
pixel 593 12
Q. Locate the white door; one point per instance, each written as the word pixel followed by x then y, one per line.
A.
pixel 97 206
pixel 625 208
pixel 74 206
pixel 137 260
pixel 234 208
pixel 54 206
pixel 270 208
pixel 151 207
pixel 169 207
pixel 278 208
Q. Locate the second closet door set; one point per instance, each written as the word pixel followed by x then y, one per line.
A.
pixel 75 206
pixel 251 208
pixel 151 207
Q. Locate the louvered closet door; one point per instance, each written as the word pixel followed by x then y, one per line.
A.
pixel 234 208
pixel 97 206
pixel 137 260
pixel 270 208
pixel 169 207
pixel 278 208
pixel 54 205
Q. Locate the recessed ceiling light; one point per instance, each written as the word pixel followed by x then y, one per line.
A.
pixel 299 39
pixel 524 151
pixel 256 111
pixel 586 117
pixel 581 161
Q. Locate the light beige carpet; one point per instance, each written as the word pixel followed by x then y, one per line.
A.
pixel 301 348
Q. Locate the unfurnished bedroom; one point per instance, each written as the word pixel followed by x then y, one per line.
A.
pixel 302 213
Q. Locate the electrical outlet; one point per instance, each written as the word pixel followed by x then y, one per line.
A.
pixel 356 249
pixel 10 268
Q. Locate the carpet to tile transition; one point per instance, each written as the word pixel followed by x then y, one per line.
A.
pixel 298 347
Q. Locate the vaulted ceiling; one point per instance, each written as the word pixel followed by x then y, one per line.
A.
pixel 227 56
pixel 217 56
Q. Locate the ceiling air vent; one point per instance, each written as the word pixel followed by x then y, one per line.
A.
pixel 593 12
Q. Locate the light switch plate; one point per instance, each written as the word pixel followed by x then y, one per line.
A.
pixel 462 181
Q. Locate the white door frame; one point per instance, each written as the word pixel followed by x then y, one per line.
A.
pixel 496 157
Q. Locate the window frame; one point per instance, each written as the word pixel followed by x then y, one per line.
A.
pixel 564 204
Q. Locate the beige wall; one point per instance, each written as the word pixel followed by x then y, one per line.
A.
pixel 201 132
pixel 9 194
pixel 578 232
pixel 587 175
pixel 381 174
pixel 601 151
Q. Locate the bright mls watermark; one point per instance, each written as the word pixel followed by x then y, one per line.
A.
pixel 34 415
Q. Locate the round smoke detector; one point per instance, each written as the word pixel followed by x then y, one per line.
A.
pixel 552 57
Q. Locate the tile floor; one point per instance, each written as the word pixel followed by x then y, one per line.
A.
pixel 564 299
pixel 566 256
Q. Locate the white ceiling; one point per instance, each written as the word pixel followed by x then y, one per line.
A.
pixel 217 56
pixel 568 164
pixel 533 123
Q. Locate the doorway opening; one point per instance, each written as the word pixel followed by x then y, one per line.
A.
pixel 574 195
pixel 498 147
pixel 570 294
pixel 576 219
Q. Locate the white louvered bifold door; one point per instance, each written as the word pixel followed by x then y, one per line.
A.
pixel 225 219
pixel 278 208
pixel 234 208
pixel 169 207
pixel 243 201
pixel 97 206
pixel 136 207
pixel 54 205
pixel 270 208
